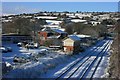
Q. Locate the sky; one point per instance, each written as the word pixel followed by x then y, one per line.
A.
pixel 33 7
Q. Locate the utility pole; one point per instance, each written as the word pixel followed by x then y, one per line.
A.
pixel 34 31
pixel 33 20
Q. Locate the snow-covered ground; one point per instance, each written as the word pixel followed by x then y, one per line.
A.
pixel 53 64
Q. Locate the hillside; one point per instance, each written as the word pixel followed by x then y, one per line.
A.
pixel 114 69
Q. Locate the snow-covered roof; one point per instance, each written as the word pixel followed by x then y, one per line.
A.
pixel 7 14
pixel 83 36
pixel 52 26
pixel 69 14
pixel 54 21
pixel 110 25
pixel 58 31
pixel 74 37
pixel 104 15
pixel 78 20
pixel 62 29
pixel 46 17
pixel 27 16
pixel 83 15
pixel 72 16
pixel 6 20
pixel 51 37
pixel 46 29
pixel 116 18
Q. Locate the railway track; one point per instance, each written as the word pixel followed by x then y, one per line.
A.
pixel 100 55
pixel 100 60
pixel 84 59
pixel 88 63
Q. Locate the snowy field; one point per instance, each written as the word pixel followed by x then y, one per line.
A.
pixel 53 64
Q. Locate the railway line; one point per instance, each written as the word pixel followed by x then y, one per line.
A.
pixel 87 64
pixel 96 63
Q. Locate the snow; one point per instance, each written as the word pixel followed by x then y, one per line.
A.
pixel 52 26
pixel 7 21
pixel 10 55
pixel 74 37
pixel 46 17
pixel 69 64
pixel 78 20
pixel 8 64
pixel 45 63
pixel 59 31
pixel 101 70
pixel 83 36
pixel 53 21
pixel 53 64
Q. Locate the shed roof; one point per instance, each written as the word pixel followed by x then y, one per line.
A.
pixel 74 37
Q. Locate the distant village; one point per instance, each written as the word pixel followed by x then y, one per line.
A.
pixel 55 32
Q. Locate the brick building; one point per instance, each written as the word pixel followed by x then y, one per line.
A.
pixel 71 44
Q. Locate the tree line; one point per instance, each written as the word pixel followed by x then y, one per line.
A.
pixel 22 26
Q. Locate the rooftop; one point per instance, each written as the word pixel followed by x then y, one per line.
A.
pixel 78 20
pixel 74 37
pixel 58 31
pixel 83 36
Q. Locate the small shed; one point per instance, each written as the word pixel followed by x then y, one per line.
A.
pixel 71 44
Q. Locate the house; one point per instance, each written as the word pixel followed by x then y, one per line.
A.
pixel 44 34
pixel 60 33
pixel 48 33
pixel 71 44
